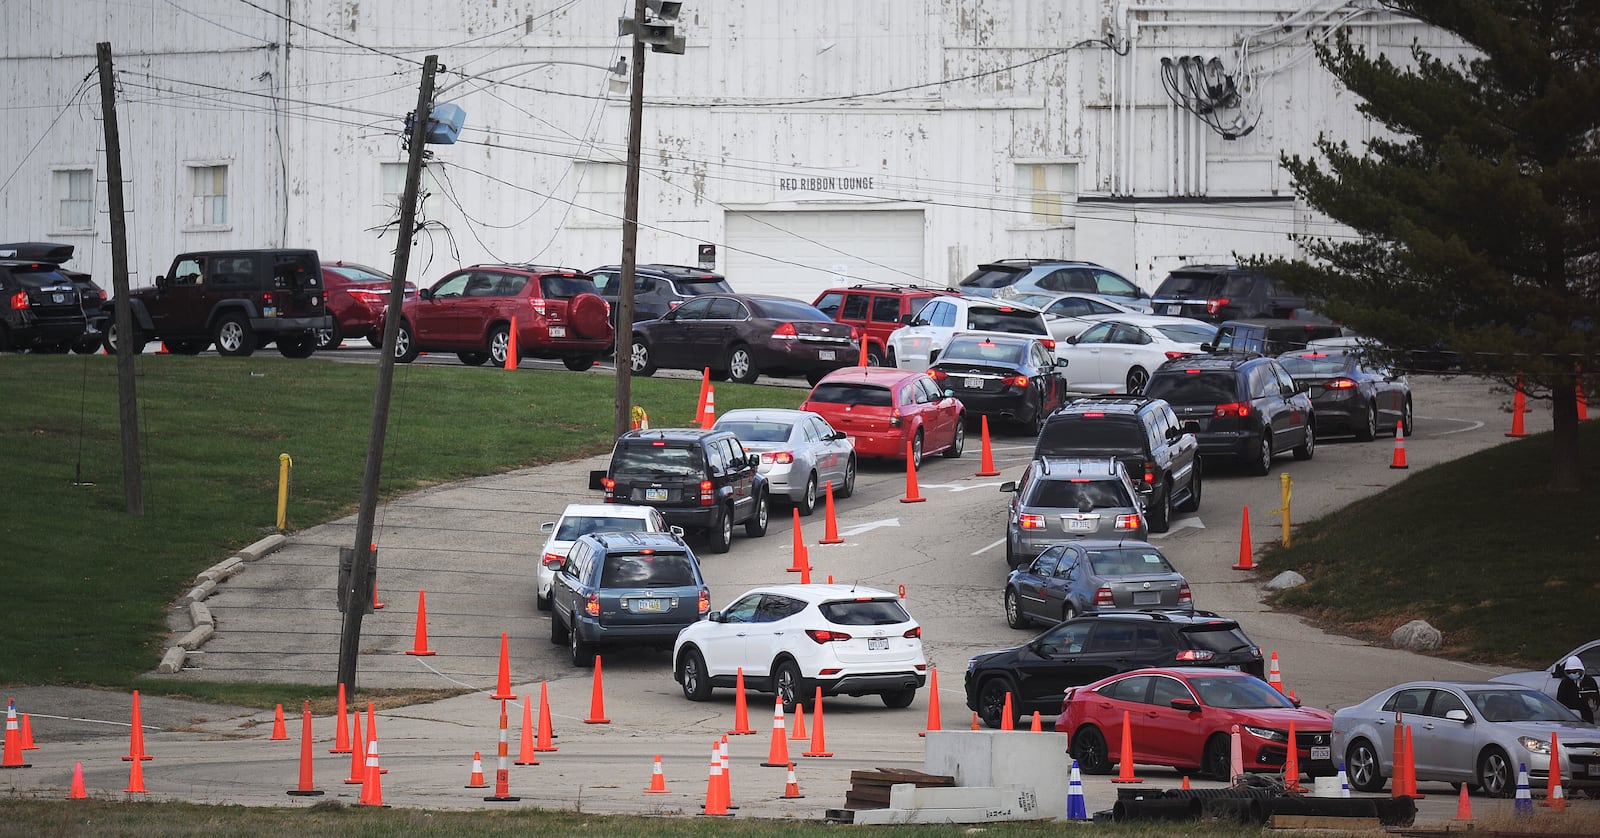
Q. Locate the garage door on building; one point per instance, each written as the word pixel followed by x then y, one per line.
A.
pixel 801 253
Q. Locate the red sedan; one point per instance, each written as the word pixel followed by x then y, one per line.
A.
pixel 883 408
pixel 356 296
pixel 1184 717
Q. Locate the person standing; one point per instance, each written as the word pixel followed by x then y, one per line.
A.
pixel 1578 689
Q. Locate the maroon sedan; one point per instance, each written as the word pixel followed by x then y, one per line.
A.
pixel 356 296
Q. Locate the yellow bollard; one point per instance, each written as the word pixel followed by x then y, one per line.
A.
pixel 1288 493
pixel 284 465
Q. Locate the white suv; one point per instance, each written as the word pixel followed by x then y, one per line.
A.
pixel 916 345
pixel 584 518
pixel 791 639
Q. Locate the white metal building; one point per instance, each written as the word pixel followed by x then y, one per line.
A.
pixel 824 143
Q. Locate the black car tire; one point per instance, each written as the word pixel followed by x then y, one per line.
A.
pixel 405 344
pixel 87 346
pixel 807 503
pixel 787 684
pixel 1216 760
pixel 541 602
pixel 875 356
pixel 188 347
pixel 1138 379
pixel 742 365
pixel 640 363
pixel 814 377
pixel 234 337
pixel 719 375
pixel 1405 417
pixel 1363 767
pixel 899 699
pixel 756 525
pixel 1013 560
pixel 303 346
pixel 581 653
pixel 1090 750
pixel 992 700
pixel 500 345
pixel 1262 464
pixel 916 451
pixel 579 363
pixel 558 632
pixel 473 359
pixel 1495 775
pixel 1308 448
pixel 1196 488
pixel 1014 615
pixel 719 537
pixel 331 337
pixel 375 338
pixel 848 488
pixel 1159 514
pixel 136 342
pixel 1369 429
pixel 692 675
pixel 959 444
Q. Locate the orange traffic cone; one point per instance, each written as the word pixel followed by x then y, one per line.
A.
pixel 1397 783
pixel 1464 805
pixel 13 743
pixel 986 464
pixel 802 559
pixel 27 733
pixel 476 780
pixel 975 721
pixel 377 604
pixel 1519 406
pixel 778 753
pixel 1580 398
pixel 163 350
pixel 715 805
pixel 512 358
pixel 358 750
pixel 1274 675
pixel 1554 796
pixel 819 739
pixel 1291 763
pixel 372 787
pixel 658 781
pixel 727 772
pixel 708 414
pixel 547 734
pixel 502 771
pixel 933 702
pixel 278 729
pixel 911 479
pixel 341 738
pixel 1399 460
pixel 597 701
pixel 902 591
pixel 526 755
pixel 135 778
pixel 705 387
pixel 1036 727
pixel 741 713
pixel 1411 766
pixel 1125 773
pixel 1008 715
pixel 503 689
pixel 1247 560
pixel 791 786
pixel 372 731
pixel 830 525
pixel 135 735
pixel 1186 782
pixel 306 788
pixel 862 361
pixel 799 731
pixel 419 645
pixel 78 792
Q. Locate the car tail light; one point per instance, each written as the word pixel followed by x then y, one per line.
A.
pixel 1049 343
pixel 938 375
pixel 857 333
pixel 707 498
pixel 538 304
pixel 1185 596
pixel 1103 598
pixel 896 420
pixel 1016 381
pixel 1093 415
pixel 705 601
pixel 779 457
pixel 592 606
pixel 1213 306
pixel 785 332
pixel 19 301
pixel 825 636
pixel 1128 522
pixel 100 295
pixel 1066 697
pixel 553 559
pixel 914 634
pixel 365 297
pixel 1150 473
pixel 1173 354
pixel 1339 384
pixel 1235 409
pixel 1195 655
pixel 610 485
pixel 1029 521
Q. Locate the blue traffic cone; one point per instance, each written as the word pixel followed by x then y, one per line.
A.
pixel 1524 804
pixel 1344 782
pixel 1077 810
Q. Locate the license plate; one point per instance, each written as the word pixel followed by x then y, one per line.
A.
pixel 1173 309
pixel 1146 598
pixel 825 354
pixel 656 606
pixel 1235 667
pixel 972 383
pixel 655 494
pixel 876 643
pixel 269 311
pixel 59 298
pixel 558 331
pixel 1080 525
pixel 1594 770
pixel 1321 752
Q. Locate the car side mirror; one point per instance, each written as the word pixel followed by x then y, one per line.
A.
pixel 949 394
pixel 1206 347
pixel 547 526
pixel 1061 362
pixel 1191 427
pixel 1302 386
pixel 838 435
pixel 715 617
pixel 1458 715
pixel 675 530
pixel 905 319
pixel 597 480
pixel 1174 434
pixel 1073 340
pixel 753 461
pixel 1187 705
pixel 162 283
pixel 1008 486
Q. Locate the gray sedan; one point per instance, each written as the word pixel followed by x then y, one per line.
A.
pixel 1476 733
pixel 800 453
pixel 1090 576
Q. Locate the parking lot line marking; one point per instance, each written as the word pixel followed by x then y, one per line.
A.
pixel 987 547
pixel 1471 425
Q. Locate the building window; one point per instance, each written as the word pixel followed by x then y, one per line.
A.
pixel 600 194
pixel 1045 189
pixel 392 177
pixel 74 193
pixel 210 190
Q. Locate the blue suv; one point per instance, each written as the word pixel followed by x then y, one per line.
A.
pixel 625 589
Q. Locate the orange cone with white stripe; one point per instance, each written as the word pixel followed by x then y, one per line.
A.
pixel 708 413
pixel 372 788
pixel 1274 676
pixel 715 805
pixel 1399 460
pixel 13 746
pixel 502 772
pixel 658 781
pixel 476 780
pixel 1554 796
pixel 778 753
pixel 791 786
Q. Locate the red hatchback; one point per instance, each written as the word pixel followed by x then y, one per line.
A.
pixel 356 297
pixel 1184 718
pixel 555 311
pixel 883 408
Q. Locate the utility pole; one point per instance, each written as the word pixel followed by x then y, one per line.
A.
pixel 623 416
pixel 127 386
pixel 358 594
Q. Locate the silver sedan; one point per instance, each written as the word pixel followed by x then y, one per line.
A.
pixel 1476 733
pixel 1090 576
pixel 800 453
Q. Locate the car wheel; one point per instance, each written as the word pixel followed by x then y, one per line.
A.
pixel 1196 488
pixel 1495 774
pixel 558 632
pixel 992 700
pixel 1013 560
pixel 788 685
pixel 959 444
pixel 815 376
pixel 1308 448
pixel 756 525
pixel 187 347
pixel 297 347
pixel 541 602
pixel 233 336
pixel 875 356
pixel 1014 616
pixel 578 363
pixel 1405 417
pixel 1137 379
pixel 741 365
pixel 1362 767
pixel 640 363
pixel 331 337
pixel 888 357
pixel 848 488
pixel 136 340
pixel 899 698
pixel 1369 429
pixel 87 346
pixel 499 345
pixel 916 451
pixel 721 532
pixel 473 359
pixel 1263 460
pixel 807 502
pixel 406 349
pixel 1089 749
pixel 375 338
pixel 692 675
pixel 1216 761
pixel 1160 511
pixel 582 653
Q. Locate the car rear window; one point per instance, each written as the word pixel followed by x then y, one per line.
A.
pixel 573 527
pixel 694 286
pixel 871 612
pixel 561 287
pixel 1013 320
pixel 852 394
pixel 992 276
pixel 787 310
pixel 1128 561
pixel 1066 494
pixel 647 570
pixel 1072 434
pixel 1314 363
pixel 754 431
pixel 652 458
pixel 1183 387
pixel 1200 285
pixel 982 351
pixel 1220 637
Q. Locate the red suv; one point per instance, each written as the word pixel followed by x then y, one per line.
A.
pixel 472 312
pixel 876 310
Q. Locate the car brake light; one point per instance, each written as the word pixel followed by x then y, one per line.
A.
pixel 1312 354
pixel 1196 655
pixel 1103 598
pixel 706 498
pixel 538 305
pixel 1150 473
pixel 857 333
pixel 1185 596
pixel 914 634
pixel 785 332
pixel 592 607
pixel 1080 480
pixel 780 457
pixel 1173 354
pixel 553 559
pixel 19 301
pixel 705 601
pixel 658 444
pixel 1029 521
pixel 1213 306
pixel 896 420
pixel 1016 381
pixel 826 636
pixel 1339 384
pixel 1093 415
pixel 610 485
pixel 1128 522
pixel 1238 409
pixel 362 295
pixel 938 375
pixel 1049 343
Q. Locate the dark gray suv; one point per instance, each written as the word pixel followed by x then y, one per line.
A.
pixel 699 479
pixel 625 589
pixel 658 289
pixel 1160 452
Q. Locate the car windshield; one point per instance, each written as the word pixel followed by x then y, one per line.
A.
pixel 1185 333
pixel 982 351
pixel 559 287
pixel 575 526
pixel 778 309
pixel 1068 435
pixel 1011 320
pixel 1315 362
pixel 647 570
pixel 1190 387
pixel 657 458
pixel 752 430
pixel 991 276
pixel 1237 692
pixel 870 612
pixel 1128 561
pixel 852 394
pixel 1517 705
pixel 1069 494
pixel 1221 637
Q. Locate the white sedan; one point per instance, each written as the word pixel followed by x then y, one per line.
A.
pixel 1067 315
pixel 1117 356
pixel 584 518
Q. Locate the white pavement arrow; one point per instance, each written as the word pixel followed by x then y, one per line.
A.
pixel 1181 523
pixel 869 526
pixel 961 487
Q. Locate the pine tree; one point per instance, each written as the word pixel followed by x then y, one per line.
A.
pixel 1478 213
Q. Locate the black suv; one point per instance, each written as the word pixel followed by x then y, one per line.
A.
pixel 1160 454
pixel 41 306
pixel 1270 336
pixel 625 588
pixel 1215 293
pixel 658 289
pixel 239 299
pixel 1242 406
pixel 699 479
pixel 1083 650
